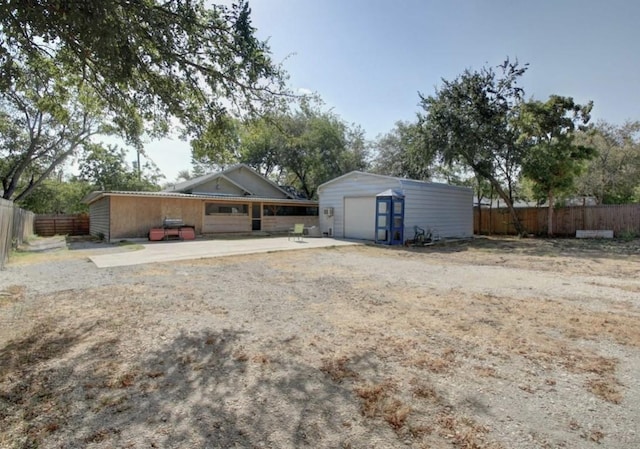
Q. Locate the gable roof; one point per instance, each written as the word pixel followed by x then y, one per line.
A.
pixel 192 184
pixel 400 181
pixel 361 173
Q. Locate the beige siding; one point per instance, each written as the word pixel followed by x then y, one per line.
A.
pixel 221 223
pixel 99 213
pixel 282 224
pixel 134 216
pixel 122 216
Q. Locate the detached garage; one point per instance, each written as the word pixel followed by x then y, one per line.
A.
pixel 363 205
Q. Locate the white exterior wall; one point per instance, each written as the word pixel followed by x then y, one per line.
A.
pixel 447 209
pixel 352 185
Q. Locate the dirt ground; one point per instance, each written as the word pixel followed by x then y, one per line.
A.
pixel 491 343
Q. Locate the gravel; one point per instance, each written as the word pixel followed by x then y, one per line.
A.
pixel 494 343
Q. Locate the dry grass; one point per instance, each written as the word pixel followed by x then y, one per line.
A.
pixel 465 433
pixel 377 400
pixel 336 368
pixel 260 359
pixel 12 294
pixel 429 365
pixel 422 390
pixel 545 334
pixel 606 388
pixel 485 371
pixel 436 364
pixel 240 355
pixel 596 436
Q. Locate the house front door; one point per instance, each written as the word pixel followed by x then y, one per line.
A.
pixel 256 217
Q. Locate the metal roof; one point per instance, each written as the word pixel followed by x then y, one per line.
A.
pixel 391 192
pixel 186 185
pixel 95 196
pixel 401 181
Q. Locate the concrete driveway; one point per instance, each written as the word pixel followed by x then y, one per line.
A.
pixel 202 249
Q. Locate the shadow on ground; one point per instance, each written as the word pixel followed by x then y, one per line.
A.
pixel 60 387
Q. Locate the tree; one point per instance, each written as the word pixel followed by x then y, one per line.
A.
pixel 400 153
pixel 184 175
pixel 317 146
pixel 105 168
pixel 263 142
pixel 46 116
pixel 469 121
pixel 148 59
pixel 482 189
pixel 613 175
pixel 302 148
pixel 58 196
pixel 70 70
pixel 218 145
pixel 553 160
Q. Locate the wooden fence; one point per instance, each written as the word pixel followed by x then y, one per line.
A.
pixel 16 225
pixel 48 225
pixel 623 218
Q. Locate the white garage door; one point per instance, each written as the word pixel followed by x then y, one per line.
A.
pixel 359 218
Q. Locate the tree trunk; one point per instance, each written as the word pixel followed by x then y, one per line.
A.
pixel 498 188
pixel 550 215
pixel 514 216
pixel 479 196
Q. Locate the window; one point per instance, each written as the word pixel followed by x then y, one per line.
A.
pixel 226 209
pixel 288 211
pixel 269 211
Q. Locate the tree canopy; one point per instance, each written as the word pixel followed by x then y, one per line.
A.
pixel 613 175
pixel 401 153
pixel 302 148
pixel 469 121
pixel 46 116
pixel 553 160
pixel 105 168
pixel 148 58
pixel 72 70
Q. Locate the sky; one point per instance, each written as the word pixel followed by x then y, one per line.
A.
pixel 369 59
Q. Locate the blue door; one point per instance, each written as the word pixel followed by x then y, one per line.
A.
pixel 390 219
pixel 397 221
pixel 383 219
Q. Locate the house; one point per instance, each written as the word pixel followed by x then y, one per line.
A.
pixel 236 200
pixel 366 206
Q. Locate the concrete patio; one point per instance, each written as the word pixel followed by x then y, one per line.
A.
pixel 201 249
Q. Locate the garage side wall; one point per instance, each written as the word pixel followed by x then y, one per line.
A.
pixel 444 208
pixel 132 217
pixel 99 218
pixel 334 194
